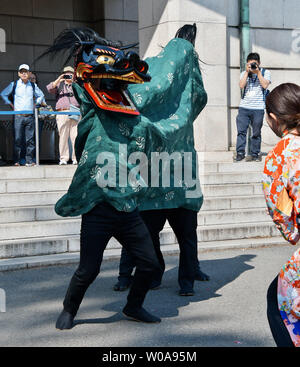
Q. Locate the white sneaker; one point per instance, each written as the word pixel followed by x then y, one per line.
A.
pixel 62 162
pixel 75 162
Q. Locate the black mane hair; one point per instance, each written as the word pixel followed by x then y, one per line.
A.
pixel 74 41
pixel 187 32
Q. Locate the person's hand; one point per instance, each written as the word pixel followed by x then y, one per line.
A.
pixel 12 106
pixel 58 80
pixel 248 68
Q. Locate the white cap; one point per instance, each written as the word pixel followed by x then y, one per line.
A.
pixel 24 66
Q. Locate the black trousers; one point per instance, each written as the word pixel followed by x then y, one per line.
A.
pixel 184 224
pixel 97 227
pixel 279 331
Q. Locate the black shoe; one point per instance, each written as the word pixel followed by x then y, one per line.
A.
pixel 64 321
pixel 239 157
pixel 155 284
pixel 123 284
pixel 186 292
pixel 202 277
pixel 140 315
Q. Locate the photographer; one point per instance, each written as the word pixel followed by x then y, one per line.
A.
pixel 254 82
pixel 67 127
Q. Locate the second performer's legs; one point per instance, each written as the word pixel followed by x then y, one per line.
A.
pixel 133 234
pixel 155 221
pixel 184 225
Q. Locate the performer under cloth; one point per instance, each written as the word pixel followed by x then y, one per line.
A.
pixel 176 88
pixel 110 120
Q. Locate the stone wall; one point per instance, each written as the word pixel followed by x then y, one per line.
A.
pixel 273 36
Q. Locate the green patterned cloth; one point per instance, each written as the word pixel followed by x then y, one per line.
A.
pixel 168 105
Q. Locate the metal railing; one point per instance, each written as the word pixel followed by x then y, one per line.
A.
pixel 36 114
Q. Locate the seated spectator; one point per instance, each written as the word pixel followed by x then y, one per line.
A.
pixel 67 127
pixel 22 95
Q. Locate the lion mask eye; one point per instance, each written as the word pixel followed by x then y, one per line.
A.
pixel 104 59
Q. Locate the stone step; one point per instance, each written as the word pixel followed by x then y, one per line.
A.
pixel 29 199
pixel 10 231
pixel 29 214
pixel 237 202
pixel 35 239
pixel 215 156
pixel 222 232
pixel 44 246
pixel 37 172
pixel 233 216
pixel 38 198
pixel 232 190
pixel 210 184
pixel 69 258
pixel 38 185
pixel 36 215
pixel 56 171
pixel 47 213
pixel 230 178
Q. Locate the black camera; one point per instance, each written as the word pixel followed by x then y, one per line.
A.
pixel 254 66
pixel 68 76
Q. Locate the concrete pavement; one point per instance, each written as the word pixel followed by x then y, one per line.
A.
pixel 227 311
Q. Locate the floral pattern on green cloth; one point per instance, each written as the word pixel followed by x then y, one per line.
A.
pixel 168 104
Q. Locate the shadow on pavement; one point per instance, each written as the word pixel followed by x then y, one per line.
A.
pixel 165 301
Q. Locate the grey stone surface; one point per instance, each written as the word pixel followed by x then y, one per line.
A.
pixel 32 31
pixel 23 7
pixel 56 9
pixel 227 311
pixel 16 55
pixel 267 14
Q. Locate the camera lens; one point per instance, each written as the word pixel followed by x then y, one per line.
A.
pixel 253 66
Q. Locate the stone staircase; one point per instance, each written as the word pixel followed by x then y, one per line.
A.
pixel 31 234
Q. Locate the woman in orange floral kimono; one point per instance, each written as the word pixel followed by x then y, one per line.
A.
pixel 281 179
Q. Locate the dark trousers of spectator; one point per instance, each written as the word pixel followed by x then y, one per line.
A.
pixel 23 150
pixel 24 127
pixel 279 331
pixel 244 118
pixel 97 227
pixel 184 224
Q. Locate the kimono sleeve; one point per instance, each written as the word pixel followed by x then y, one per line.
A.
pixel 276 188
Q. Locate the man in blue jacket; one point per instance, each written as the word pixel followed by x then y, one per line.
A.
pixel 22 95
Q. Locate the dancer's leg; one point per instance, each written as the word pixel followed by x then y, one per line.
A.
pixel 126 267
pixel 184 225
pixel 96 230
pixel 155 221
pixel 132 233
